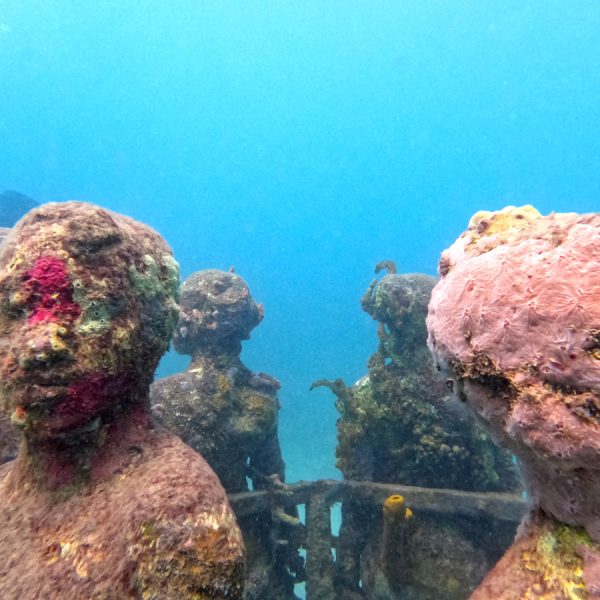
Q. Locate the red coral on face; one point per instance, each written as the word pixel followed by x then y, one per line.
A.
pixel 50 292
pixel 88 397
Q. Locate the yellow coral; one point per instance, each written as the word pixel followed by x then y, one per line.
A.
pixel 393 507
pixel 558 564
pixel 394 503
pixel 487 222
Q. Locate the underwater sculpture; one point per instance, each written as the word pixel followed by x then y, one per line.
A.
pixel 229 415
pixel 515 322
pixel 400 424
pixel 100 502
pixel 218 406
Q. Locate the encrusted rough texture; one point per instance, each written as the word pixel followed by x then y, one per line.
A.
pixel 218 406
pixel 515 321
pixel 216 313
pixel 229 415
pixel 100 502
pixel 158 526
pixel 400 424
pixel 548 561
pixel 431 559
pixel 10 438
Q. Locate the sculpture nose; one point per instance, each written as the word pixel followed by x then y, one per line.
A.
pixel 44 345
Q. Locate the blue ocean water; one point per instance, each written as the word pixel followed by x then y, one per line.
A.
pixel 301 143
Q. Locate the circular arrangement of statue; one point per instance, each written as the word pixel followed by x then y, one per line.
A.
pixel 100 501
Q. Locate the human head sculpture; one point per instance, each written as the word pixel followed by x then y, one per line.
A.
pixel 87 307
pixel 399 302
pixel 216 313
pixel 515 322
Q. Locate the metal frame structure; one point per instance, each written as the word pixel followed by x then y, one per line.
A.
pixel 323 560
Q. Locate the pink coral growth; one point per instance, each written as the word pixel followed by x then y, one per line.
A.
pixel 529 304
pixel 89 396
pixel 515 320
pixel 51 292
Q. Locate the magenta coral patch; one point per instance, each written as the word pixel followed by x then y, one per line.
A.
pixel 51 292
pixel 90 396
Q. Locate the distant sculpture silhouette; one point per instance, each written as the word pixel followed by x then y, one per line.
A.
pixel 13 205
pixel 100 502
pixel 223 410
pixel 229 414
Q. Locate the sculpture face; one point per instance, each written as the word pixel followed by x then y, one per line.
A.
pixel 84 316
pixel 216 309
pixel 55 374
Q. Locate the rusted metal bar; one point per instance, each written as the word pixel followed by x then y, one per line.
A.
pixel 319 560
pixel 499 505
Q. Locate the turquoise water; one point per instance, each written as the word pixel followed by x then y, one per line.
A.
pixel 302 142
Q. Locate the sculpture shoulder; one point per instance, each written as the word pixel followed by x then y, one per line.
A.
pixel 175 472
pixel 188 528
pixel 166 387
pixel 159 528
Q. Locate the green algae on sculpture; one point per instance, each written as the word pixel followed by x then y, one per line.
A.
pixel 94 469
pixel 400 424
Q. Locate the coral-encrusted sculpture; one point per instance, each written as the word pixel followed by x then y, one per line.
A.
pixel 218 406
pixel 229 415
pixel 100 502
pixel 399 424
pixel 515 321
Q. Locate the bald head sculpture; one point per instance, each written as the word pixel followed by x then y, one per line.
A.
pixel 100 502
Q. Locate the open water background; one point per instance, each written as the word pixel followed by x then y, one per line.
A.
pixel 302 142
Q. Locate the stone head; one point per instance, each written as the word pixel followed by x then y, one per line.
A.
pixel 515 321
pixel 398 300
pixel 216 312
pixel 87 307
